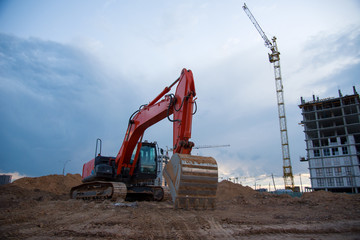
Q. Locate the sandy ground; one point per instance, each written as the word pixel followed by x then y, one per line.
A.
pixel 39 208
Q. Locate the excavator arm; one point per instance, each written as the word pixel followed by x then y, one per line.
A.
pixel 192 180
pixel 180 105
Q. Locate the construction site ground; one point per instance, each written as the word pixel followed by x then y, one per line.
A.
pixel 40 208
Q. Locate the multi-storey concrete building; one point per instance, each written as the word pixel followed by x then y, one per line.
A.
pixel 5 179
pixel 332 136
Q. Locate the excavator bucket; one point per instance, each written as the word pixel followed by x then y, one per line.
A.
pixel 192 181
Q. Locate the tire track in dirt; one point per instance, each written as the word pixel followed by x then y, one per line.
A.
pixel 158 218
pixel 178 226
pixel 323 228
pixel 167 224
pixel 190 231
pixel 217 230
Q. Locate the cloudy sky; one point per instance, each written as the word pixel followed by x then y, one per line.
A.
pixel 74 71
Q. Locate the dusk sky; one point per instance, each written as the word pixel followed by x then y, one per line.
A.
pixel 74 71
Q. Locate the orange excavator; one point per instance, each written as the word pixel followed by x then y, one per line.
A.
pixel 192 180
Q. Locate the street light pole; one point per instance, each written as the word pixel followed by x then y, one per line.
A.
pixel 64 166
pixel 301 183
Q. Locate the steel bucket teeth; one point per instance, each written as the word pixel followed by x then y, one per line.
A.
pixel 192 181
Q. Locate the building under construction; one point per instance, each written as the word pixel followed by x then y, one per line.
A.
pixel 332 136
pixel 5 179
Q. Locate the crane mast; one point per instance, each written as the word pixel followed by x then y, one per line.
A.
pixel 274 58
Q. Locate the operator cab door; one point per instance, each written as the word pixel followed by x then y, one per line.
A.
pixel 146 167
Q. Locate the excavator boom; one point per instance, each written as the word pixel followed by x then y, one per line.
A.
pixel 192 180
pixel 180 105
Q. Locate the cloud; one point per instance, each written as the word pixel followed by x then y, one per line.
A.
pixel 324 59
pixel 57 101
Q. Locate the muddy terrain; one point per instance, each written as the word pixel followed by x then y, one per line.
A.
pixel 40 208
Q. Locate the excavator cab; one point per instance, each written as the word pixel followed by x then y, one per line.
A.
pixel 104 168
pixel 146 166
pixel 148 159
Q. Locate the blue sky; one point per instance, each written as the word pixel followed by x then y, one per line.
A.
pixel 73 71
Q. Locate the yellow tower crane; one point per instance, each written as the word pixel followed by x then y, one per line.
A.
pixel 274 58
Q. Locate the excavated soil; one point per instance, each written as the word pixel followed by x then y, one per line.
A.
pixel 40 208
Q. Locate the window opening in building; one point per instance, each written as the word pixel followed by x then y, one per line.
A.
pixel 349 181
pixel 321 182
pixel 329 172
pixel 348 171
pixel 339 182
pixel 316 153
pixel 331 182
pixel 339 123
pixel 357 138
pixel 310 116
pixel 336 161
pixel 336 104
pixel 345 150
pixel 335 151
pixel 317 162
pixel 319 172
pixel 315 143
pixel 328 162
pixel 340 131
pixel 337 171
pixel 326 152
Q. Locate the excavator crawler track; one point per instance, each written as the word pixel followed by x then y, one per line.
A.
pixel 192 181
pixel 145 193
pixel 99 191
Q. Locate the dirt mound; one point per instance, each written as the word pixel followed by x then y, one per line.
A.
pixel 57 184
pixel 28 191
pixel 40 208
pixel 228 191
pixel 324 196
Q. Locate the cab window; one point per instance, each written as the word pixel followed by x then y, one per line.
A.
pixel 148 160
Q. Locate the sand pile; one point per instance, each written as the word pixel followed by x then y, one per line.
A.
pixel 229 191
pixel 324 196
pixel 57 184
pixel 28 191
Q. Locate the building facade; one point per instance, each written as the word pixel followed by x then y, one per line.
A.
pixel 5 179
pixel 332 136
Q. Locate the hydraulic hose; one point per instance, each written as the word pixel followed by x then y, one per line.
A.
pixel 172 103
